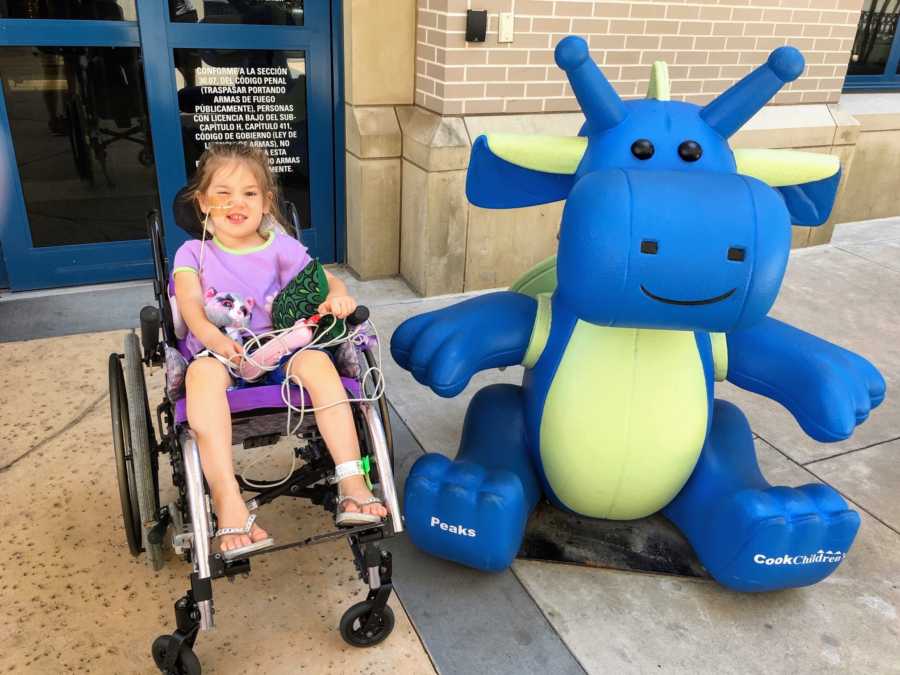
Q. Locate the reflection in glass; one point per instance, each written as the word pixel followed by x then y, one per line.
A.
pixel 266 12
pixel 99 10
pixel 877 26
pixel 79 127
pixel 249 96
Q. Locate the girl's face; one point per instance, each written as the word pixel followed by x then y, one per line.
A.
pixel 235 202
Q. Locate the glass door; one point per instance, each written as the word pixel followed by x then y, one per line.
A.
pixel 256 72
pixel 107 104
pixel 76 157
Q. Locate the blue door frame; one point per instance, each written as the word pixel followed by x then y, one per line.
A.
pixel 28 267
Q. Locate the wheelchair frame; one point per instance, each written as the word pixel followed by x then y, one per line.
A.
pixel 146 521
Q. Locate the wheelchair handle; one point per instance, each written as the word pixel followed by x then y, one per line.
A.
pixel 359 315
pixel 150 322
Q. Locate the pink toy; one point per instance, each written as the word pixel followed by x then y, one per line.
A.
pixel 270 353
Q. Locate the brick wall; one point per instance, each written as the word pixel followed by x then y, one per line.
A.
pixel 707 45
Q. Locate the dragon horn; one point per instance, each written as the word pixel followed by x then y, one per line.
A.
pixel 729 111
pixel 599 101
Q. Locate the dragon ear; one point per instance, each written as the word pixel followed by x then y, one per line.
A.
pixel 808 181
pixel 508 170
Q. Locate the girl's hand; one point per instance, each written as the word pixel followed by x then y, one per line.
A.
pixel 340 306
pixel 225 346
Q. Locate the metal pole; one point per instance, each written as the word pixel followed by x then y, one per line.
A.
pixel 199 521
pixel 385 471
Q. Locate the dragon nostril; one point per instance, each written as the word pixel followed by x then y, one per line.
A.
pixel 736 253
pixel 649 246
pixel 690 151
pixel 642 149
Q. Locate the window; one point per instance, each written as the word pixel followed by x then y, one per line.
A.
pixel 79 127
pixel 876 49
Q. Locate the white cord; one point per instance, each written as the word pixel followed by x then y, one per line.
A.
pixel 225 206
pixel 373 371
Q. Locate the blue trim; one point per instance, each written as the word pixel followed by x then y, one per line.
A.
pixel 215 36
pixel 55 33
pixel 320 146
pixel 340 163
pixel 4 277
pixel 165 122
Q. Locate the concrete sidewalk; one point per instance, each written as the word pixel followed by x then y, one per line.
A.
pixel 74 600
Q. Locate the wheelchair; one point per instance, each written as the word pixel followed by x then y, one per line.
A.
pixel 258 419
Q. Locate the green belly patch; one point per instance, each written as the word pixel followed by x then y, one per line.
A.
pixel 624 420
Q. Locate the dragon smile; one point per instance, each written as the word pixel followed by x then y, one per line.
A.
pixel 670 301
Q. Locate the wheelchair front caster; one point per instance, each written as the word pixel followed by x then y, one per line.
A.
pixel 185 663
pixel 361 627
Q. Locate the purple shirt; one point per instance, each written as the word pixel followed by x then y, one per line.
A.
pixel 259 273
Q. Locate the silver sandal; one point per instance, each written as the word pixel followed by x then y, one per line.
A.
pixel 233 553
pixel 354 467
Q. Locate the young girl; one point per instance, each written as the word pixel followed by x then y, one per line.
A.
pixel 250 256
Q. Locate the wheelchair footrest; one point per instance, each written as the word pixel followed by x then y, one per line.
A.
pixel 318 539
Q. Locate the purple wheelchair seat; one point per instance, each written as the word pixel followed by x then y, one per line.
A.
pixel 263 397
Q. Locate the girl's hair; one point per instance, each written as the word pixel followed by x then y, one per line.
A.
pixel 219 154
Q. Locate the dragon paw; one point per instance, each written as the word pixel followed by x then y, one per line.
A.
pixel 463 512
pixel 779 537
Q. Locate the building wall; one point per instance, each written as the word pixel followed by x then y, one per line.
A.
pixel 408 153
pixel 707 45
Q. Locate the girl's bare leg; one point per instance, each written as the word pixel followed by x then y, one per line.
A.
pixel 320 378
pixel 210 420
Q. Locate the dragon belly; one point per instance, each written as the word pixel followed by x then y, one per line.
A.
pixel 624 420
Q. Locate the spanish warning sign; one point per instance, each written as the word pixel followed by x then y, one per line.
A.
pixel 248 105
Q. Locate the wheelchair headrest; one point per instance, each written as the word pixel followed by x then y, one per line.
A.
pixel 186 216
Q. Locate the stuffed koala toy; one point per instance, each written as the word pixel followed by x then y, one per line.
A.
pixel 228 311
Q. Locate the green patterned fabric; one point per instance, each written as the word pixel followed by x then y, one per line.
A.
pixel 301 298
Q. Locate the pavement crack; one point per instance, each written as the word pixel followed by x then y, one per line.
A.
pixel 866 258
pixel 847 497
pixel 850 451
pixel 56 434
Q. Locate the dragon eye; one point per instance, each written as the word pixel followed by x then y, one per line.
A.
pixel 642 148
pixel 690 151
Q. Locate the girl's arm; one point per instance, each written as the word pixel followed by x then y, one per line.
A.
pixel 339 302
pixel 189 295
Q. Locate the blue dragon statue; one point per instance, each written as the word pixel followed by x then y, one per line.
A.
pixel 672 249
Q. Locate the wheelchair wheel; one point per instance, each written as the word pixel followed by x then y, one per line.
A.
pixel 121 431
pixel 143 452
pixel 187 662
pixel 353 625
